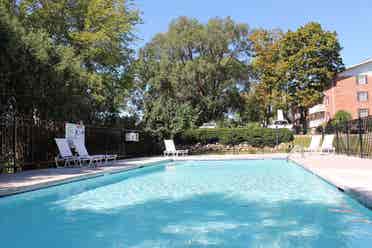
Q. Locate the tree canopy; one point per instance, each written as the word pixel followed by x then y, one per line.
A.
pixel 311 59
pixel 82 47
pixel 293 69
pixel 267 69
pixel 74 59
pixel 202 68
pixel 341 117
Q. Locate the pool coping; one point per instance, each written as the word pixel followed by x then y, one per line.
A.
pixel 90 175
pixel 360 196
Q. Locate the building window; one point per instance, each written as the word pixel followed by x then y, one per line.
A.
pixel 362 79
pixel 362 96
pixel 363 113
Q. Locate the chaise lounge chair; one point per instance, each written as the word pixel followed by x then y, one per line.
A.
pixel 94 160
pixel 314 144
pixel 65 154
pixel 170 149
pixel 327 145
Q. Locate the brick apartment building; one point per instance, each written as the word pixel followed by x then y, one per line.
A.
pixel 351 91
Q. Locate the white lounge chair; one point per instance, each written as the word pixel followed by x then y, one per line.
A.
pixel 327 145
pixel 170 149
pixel 314 144
pixel 65 153
pixel 94 160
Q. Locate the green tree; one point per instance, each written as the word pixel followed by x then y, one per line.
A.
pixel 41 75
pixel 268 72
pixel 202 66
pixel 253 110
pixel 165 117
pixel 100 33
pixel 310 58
pixel 341 117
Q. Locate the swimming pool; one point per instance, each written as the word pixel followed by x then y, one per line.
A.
pixel 242 203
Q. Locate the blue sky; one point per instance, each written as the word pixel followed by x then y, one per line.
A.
pixel 351 19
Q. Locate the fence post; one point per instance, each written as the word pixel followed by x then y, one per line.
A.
pixel 276 136
pixel 12 112
pixel 337 139
pixel 347 139
pixel 14 144
pixel 107 131
pixel 124 152
pixel 360 130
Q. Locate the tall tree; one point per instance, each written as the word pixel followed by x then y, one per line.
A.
pixel 268 71
pixel 253 109
pixel 100 33
pixel 40 74
pixel 203 66
pixel 310 57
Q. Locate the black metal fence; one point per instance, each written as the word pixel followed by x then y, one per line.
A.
pixel 28 143
pixel 355 137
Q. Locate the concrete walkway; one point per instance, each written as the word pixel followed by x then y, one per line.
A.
pixel 350 174
pixel 36 179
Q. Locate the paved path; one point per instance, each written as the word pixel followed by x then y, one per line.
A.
pixel 35 179
pixel 351 174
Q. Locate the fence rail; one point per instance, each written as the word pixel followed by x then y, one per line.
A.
pixel 29 144
pixel 355 137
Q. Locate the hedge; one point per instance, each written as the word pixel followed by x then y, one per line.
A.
pixel 256 137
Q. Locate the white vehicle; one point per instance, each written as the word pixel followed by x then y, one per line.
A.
pixel 207 125
pixel 281 124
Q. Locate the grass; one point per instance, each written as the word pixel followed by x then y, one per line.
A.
pixel 354 144
pixel 302 140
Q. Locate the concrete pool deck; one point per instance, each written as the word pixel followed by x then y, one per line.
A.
pixel 352 175
pixel 36 179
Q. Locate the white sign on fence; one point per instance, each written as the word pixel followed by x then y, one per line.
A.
pixel 75 131
pixel 132 136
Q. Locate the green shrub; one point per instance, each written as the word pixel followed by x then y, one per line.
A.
pixel 341 117
pixel 255 136
pixel 302 140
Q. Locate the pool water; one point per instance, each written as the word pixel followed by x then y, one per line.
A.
pixel 256 203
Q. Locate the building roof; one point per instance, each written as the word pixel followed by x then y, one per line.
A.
pixel 369 60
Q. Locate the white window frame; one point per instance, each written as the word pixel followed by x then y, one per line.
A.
pixel 363 109
pixel 362 79
pixel 362 93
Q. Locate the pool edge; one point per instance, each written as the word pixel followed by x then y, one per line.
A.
pixel 354 194
pixel 58 182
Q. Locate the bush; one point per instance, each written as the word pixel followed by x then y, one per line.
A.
pixel 341 117
pixel 302 140
pixel 255 136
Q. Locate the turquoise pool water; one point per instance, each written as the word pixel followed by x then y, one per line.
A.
pixel 259 203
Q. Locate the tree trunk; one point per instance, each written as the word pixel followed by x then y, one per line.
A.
pixel 303 121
